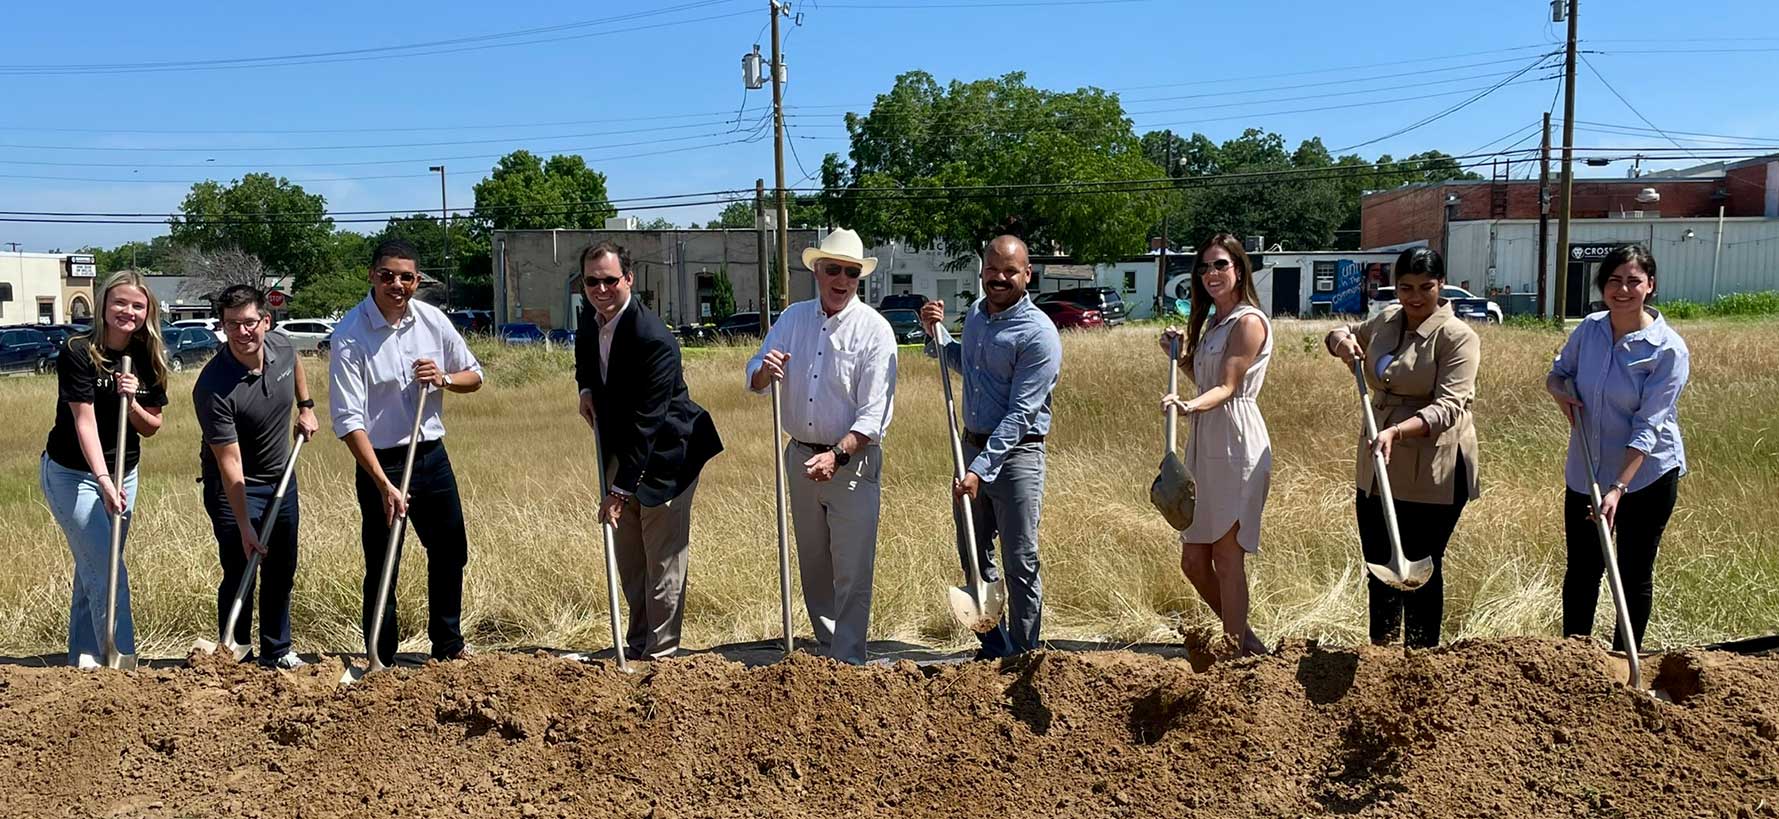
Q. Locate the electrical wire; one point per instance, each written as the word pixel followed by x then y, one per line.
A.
pixel 1450 110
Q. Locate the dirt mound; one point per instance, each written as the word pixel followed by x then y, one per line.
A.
pixel 1498 728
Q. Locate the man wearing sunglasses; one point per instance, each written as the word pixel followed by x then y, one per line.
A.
pixel 1010 357
pixel 380 351
pixel 654 441
pixel 243 400
pixel 835 358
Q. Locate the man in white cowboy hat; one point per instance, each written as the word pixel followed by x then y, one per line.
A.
pixel 836 360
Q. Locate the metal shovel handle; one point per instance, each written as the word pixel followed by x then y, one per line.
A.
pixel 1173 387
pixel 396 532
pixel 609 541
pixel 265 533
pixel 1608 550
pixel 112 655
pixel 957 470
pixel 778 497
pixel 1398 560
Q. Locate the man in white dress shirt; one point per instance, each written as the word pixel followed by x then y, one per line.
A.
pixel 836 360
pixel 381 351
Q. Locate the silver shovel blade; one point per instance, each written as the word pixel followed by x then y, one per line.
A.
pixel 1173 493
pixel 1414 575
pixel 209 647
pixel 353 673
pixel 978 618
pixel 121 662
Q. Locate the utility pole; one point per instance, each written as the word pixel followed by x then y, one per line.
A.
pixel 445 221
pixel 776 76
pixel 1561 297
pixel 1544 219
pixel 1166 200
pixel 765 266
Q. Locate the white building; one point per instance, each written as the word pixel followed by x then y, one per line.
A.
pixel 45 288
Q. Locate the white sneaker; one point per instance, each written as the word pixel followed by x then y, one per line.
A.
pixel 86 661
pixel 289 662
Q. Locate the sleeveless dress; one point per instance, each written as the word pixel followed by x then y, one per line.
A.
pixel 1228 451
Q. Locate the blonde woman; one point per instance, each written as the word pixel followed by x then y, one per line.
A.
pixel 75 470
pixel 1228 451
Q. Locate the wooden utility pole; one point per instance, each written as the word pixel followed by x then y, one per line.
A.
pixel 1166 201
pixel 774 76
pixel 1561 297
pixel 1544 221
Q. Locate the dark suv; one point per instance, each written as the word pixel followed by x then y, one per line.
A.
pixel 190 347
pixel 26 350
pixel 902 301
pixel 742 325
pixel 1104 299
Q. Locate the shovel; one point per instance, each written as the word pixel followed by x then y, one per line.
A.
pixel 1399 573
pixel 611 563
pixel 1608 553
pixel 1173 493
pixel 396 531
pixel 113 658
pixel 977 605
pixel 778 495
pixel 227 638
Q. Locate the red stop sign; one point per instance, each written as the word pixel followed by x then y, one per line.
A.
pixel 275 299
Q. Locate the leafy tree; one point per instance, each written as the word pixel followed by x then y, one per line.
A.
pixel 259 214
pixel 330 293
pixel 525 192
pixel 157 254
pixel 723 300
pixel 997 132
pixel 659 223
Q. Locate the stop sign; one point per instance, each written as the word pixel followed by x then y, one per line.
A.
pixel 275 299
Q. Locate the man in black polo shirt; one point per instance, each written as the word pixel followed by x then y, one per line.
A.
pixel 243 399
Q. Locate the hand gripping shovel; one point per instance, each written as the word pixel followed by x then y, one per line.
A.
pixel 978 605
pixel 1608 553
pixel 1399 573
pixel 374 661
pixel 114 659
pixel 611 562
pixel 1173 493
pixel 227 638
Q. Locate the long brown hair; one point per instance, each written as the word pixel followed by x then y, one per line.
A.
pixel 149 333
pixel 1201 299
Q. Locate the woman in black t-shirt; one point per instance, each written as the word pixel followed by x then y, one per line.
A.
pixel 76 467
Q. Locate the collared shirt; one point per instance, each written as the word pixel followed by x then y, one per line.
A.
pixel 1010 361
pixel 250 408
pixel 371 370
pixel 1429 373
pixel 842 374
pixel 1629 390
pixel 607 330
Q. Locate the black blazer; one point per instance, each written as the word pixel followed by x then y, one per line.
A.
pixel 647 421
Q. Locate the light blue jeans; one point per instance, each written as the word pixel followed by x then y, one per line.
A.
pixel 74 500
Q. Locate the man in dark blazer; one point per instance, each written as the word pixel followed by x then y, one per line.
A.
pixel 654 441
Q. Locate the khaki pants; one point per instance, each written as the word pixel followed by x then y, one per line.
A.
pixel 651 544
pixel 835 522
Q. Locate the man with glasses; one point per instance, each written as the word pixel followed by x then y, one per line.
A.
pixel 381 352
pixel 243 400
pixel 1010 357
pixel 654 441
pixel 836 359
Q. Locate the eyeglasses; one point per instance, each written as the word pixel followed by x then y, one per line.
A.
pixel 596 282
pixel 1219 265
pixel 835 270
pixel 388 276
pixel 242 325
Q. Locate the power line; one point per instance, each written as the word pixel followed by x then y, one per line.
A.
pixel 1450 110
pixel 1627 103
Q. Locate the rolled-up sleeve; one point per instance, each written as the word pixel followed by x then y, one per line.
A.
pixel 458 357
pixel 1454 387
pixel 346 388
pixel 1035 372
pixel 876 386
pixel 1660 396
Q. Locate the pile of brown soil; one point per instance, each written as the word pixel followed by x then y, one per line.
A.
pixel 1495 728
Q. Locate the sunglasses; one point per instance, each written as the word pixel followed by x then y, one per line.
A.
pixel 388 276
pixel 1219 265
pixel 835 270
pixel 596 282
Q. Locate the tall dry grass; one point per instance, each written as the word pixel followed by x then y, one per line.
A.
pixel 1110 563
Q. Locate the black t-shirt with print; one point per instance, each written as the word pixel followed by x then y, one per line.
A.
pixel 78 380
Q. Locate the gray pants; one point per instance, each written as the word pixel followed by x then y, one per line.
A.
pixel 835 522
pixel 1010 505
pixel 651 544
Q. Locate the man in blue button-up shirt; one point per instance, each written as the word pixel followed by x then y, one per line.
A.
pixel 1009 356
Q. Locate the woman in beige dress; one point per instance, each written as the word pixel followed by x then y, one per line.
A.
pixel 1228 452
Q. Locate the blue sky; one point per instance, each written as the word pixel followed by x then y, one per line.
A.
pixel 666 82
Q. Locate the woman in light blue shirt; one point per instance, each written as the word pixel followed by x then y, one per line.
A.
pixel 1628 368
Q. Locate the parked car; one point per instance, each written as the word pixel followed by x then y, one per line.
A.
pixel 906 324
pixel 742 325
pixel 520 332
pixel 1071 316
pixel 1465 304
pixel 560 335
pixel 59 333
pixel 1105 300
pixel 695 335
pixel 902 301
pixel 190 347
pixel 472 321
pixel 211 324
pixel 308 335
pixel 25 350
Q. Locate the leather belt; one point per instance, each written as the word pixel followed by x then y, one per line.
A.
pixel 980 439
pixel 812 447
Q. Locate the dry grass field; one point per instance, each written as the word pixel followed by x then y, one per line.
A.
pixel 1110 562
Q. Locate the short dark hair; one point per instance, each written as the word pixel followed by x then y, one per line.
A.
pixel 1419 261
pixel 606 248
pixel 1619 257
pixel 394 249
pixel 241 295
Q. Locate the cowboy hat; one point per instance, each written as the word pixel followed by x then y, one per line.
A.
pixel 841 245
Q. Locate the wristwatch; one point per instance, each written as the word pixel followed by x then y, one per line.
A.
pixel 306 403
pixel 447 379
pixel 841 456
pixel 1620 486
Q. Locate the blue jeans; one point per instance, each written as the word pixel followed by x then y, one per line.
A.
pixel 277 569
pixel 74 500
pixel 1010 506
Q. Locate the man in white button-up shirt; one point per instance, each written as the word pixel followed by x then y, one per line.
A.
pixel 835 358
pixel 382 351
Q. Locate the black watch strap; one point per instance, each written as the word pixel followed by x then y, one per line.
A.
pixel 306 403
pixel 841 456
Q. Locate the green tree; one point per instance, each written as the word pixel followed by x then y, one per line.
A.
pixel 157 254
pixel 921 136
pixel 525 192
pixel 268 217
pixel 659 223
pixel 723 300
pixel 330 294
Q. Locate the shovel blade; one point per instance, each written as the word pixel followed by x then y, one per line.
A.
pixel 209 647
pixel 1173 493
pixel 121 662
pixel 1413 576
pixel 980 618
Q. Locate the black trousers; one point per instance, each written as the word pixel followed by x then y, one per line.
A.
pixel 436 514
pixel 277 569
pixel 1637 533
pixel 1425 528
